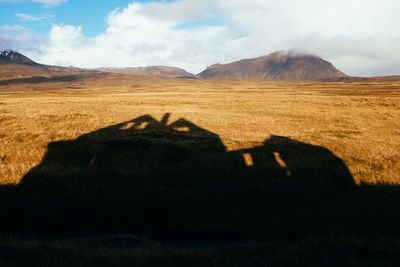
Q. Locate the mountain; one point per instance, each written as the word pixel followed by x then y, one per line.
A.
pixel 281 65
pixel 16 65
pixel 153 71
pixel 12 57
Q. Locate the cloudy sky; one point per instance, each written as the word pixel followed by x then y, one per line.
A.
pixel 360 37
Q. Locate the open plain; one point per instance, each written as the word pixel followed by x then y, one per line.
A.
pixel 359 122
pixel 196 172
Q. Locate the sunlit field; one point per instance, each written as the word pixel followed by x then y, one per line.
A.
pixel 205 173
pixel 360 123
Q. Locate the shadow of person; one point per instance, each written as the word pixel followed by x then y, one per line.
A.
pixel 176 181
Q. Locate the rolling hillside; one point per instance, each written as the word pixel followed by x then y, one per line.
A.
pixel 153 71
pixel 281 65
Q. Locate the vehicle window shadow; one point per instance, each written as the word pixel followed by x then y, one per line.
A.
pixel 176 181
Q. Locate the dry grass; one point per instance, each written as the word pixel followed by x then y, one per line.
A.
pixel 359 122
pixel 187 192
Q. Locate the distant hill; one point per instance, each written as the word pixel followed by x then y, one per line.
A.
pixel 12 57
pixel 16 65
pixel 281 65
pixel 153 71
pixel 11 71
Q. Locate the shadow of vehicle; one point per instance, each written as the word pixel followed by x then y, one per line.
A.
pixel 177 181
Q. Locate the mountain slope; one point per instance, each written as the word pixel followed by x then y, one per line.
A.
pixel 12 71
pixel 281 65
pixel 12 57
pixel 16 65
pixel 153 71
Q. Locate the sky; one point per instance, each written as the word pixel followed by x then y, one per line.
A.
pixel 360 37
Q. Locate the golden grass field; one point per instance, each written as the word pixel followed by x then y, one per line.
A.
pixel 84 181
pixel 358 122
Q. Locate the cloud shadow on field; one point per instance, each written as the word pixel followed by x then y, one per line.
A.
pixel 176 182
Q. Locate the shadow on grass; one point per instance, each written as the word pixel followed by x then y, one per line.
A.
pixel 177 183
pixel 55 78
pixel 42 79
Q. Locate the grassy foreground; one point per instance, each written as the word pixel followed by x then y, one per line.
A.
pixel 215 173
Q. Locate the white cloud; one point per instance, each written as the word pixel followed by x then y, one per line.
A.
pixel 138 35
pixel 16 37
pixel 19 41
pixel 360 37
pixel 47 3
pixel 50 2
pixel 27 17
pixel 13 28
pixel 6 41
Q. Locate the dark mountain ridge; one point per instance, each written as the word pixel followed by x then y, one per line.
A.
pixel 281 65
pixel 14 65
pixel 13 57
